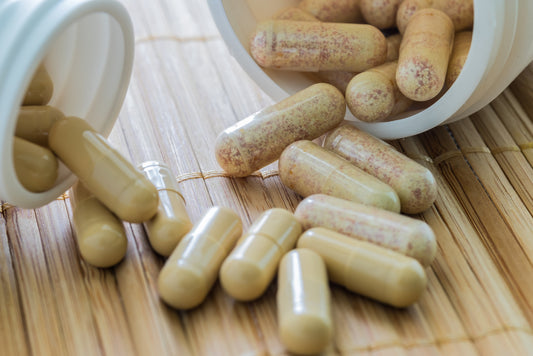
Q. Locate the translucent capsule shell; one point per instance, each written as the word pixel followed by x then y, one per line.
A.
pixel 400 233
pixel 35 166
pixel 310 169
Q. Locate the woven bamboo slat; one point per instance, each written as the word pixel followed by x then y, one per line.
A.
pixel 185 89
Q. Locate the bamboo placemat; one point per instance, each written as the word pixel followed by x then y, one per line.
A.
pixel 185 89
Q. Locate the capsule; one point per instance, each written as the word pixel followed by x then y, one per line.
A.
pixel 393 47
pixel 317 46
pixel 380 13
pixel 310 169
pixel 103 170
pixel 372 95
pixel 41 88
pixel 34 123
pixel 192 268
pixel 171 221
pixel 100 234
pixel 35 166
pixel 366 268
pixel 333 10
pixel 461 47
pixel 303 301
pixel 415 185
pixel 259 139
pixel 338 78
pixel 424 54
pixel 400 233
pixel 251 266
pixel 295 14
pixel 461 12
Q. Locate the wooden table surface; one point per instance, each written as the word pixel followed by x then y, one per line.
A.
pixel 185 89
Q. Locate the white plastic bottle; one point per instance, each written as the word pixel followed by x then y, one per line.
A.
pixel 87 47
pixel 502 46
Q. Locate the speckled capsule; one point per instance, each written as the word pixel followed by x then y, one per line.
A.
pixel 103 170
pixel 171 221
pixel 34 123
pixel 424 54
pixel 295 14
pixel 308 169
pixel 380 13
pixel 414 183
pixel 317 46
pixel 100 234
pixel 400 233
pixel 259 139
pixel 372 95
pixel 333 10
pixel 252 264
pixel 461 48
pixel 366 268
pixel 461 12
pixel 304 303
pixel 35 166
pixel 192 268
pixel 41 88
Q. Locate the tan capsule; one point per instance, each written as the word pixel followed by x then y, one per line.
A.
pixel 103 170
pixel 393 47
pixel 34 123
pixel 259 139
pixel 251 266
pixel 372 95
pixel 338 78
pixel 100 234
pixel 35 166
pixel 171 221
pixel 41 88
pixel 192 269
pixel 295 14
pixel 415 185
pixel 400 233
pixel 461 47
pixel 303 301
pixel 366 268
pixel 310 169
pixel 461 12
pixel 333 10
pixel 424 54
pixel 380 13
pixel 317 46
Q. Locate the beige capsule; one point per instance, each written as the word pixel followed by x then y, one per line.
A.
pixel 41 88
pixel 192 268
pixel 103 170
pixel 310 169
pixel 100 234
pixel 34 123
pixel 304 303
pixel 295 14
pixel 461 48
pixel 393 46
pixel 171 222
pixel 366 268
pixel 400 233
pixel 373 95
pixel 308 46
pixel 35 166
pixel 259 139
pixel 251 266
pixel 415 185
pixel 333 10
pixel 461 12
pixel 380 13
pixel 424 54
